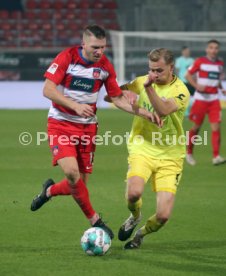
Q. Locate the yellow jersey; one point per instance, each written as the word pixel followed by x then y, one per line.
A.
pixel 146 138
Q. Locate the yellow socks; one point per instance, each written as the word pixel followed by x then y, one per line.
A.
pixel 152 225
pixel 135 207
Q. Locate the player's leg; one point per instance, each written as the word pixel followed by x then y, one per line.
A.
pixel 85 159
pixel 96 221
pixel 135 188
pixel 65 155
pixel 85 177
pixel 165 182
pixel 164 207
pixel 197 115
pixel 137 176
pixel 59 151
pixel 215 139
pixel 214 114
pixel 72 185
pixel 85 163
pixel 76 185
pixel 63 187
pixel 165 203
pixel 79 191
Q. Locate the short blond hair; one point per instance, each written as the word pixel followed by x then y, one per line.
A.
pixel 157 54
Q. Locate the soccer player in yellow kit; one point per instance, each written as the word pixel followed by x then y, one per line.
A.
pixel 155 153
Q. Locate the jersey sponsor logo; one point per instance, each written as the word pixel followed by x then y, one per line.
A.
pixel 82 84
pixel 210 67
pixel 213 75
pixel 96 73
pixel 148 107
pixel 52 69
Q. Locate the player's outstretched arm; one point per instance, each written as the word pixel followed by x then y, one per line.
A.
pixel 122 103
pixel 129 95
pixel 50 91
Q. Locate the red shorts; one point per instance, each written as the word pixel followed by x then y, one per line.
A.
pixel 68 139
pixel 201 108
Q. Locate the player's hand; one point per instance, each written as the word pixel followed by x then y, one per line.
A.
pixel 149 81
pixel 155 118
pixel 84 110
pixel 107 99
pixel 151 116
pixel 200 87
pixel 130 96
pixel 158 120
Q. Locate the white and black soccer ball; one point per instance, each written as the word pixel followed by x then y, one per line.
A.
pixel 95 241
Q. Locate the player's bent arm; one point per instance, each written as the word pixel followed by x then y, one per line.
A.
pixel 192 81
pixel 122 103
pixel 163 107
pixel 50 91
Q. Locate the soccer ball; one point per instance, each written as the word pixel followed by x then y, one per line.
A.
pixel 95 241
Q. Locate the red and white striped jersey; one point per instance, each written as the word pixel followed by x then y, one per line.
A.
pixel 80 80
pixel 208 74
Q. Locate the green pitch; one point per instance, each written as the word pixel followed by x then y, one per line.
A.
pixel 47 242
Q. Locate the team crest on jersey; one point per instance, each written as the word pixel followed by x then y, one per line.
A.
pixel 96 73
pixel 55 150
pixel 52 69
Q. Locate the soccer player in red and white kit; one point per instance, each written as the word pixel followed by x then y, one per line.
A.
pixel 208 70
pixel 73 81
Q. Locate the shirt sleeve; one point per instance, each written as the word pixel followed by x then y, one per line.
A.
pixel 181 96
pixel 57 69
pixel 111 85
pixel 135 85
pixel 195 67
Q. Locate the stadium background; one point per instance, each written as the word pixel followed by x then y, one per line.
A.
pixel 32 32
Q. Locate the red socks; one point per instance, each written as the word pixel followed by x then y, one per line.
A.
pixel 79 192
pixel 60 188
pixel 190 140
pixel 216 142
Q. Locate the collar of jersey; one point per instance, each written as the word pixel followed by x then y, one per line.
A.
pixel 174 79
pixel 212 60
pixel 168 84
pixel 82 57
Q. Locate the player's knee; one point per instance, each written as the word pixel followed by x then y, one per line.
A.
pixel 162 217
pixel 72 174
pixel 134 195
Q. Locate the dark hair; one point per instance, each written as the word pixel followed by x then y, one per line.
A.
pixel 164 53
pixel 95 30
pixel 213 41
pixel 184 47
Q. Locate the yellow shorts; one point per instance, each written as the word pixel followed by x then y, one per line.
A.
pixel 165 174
